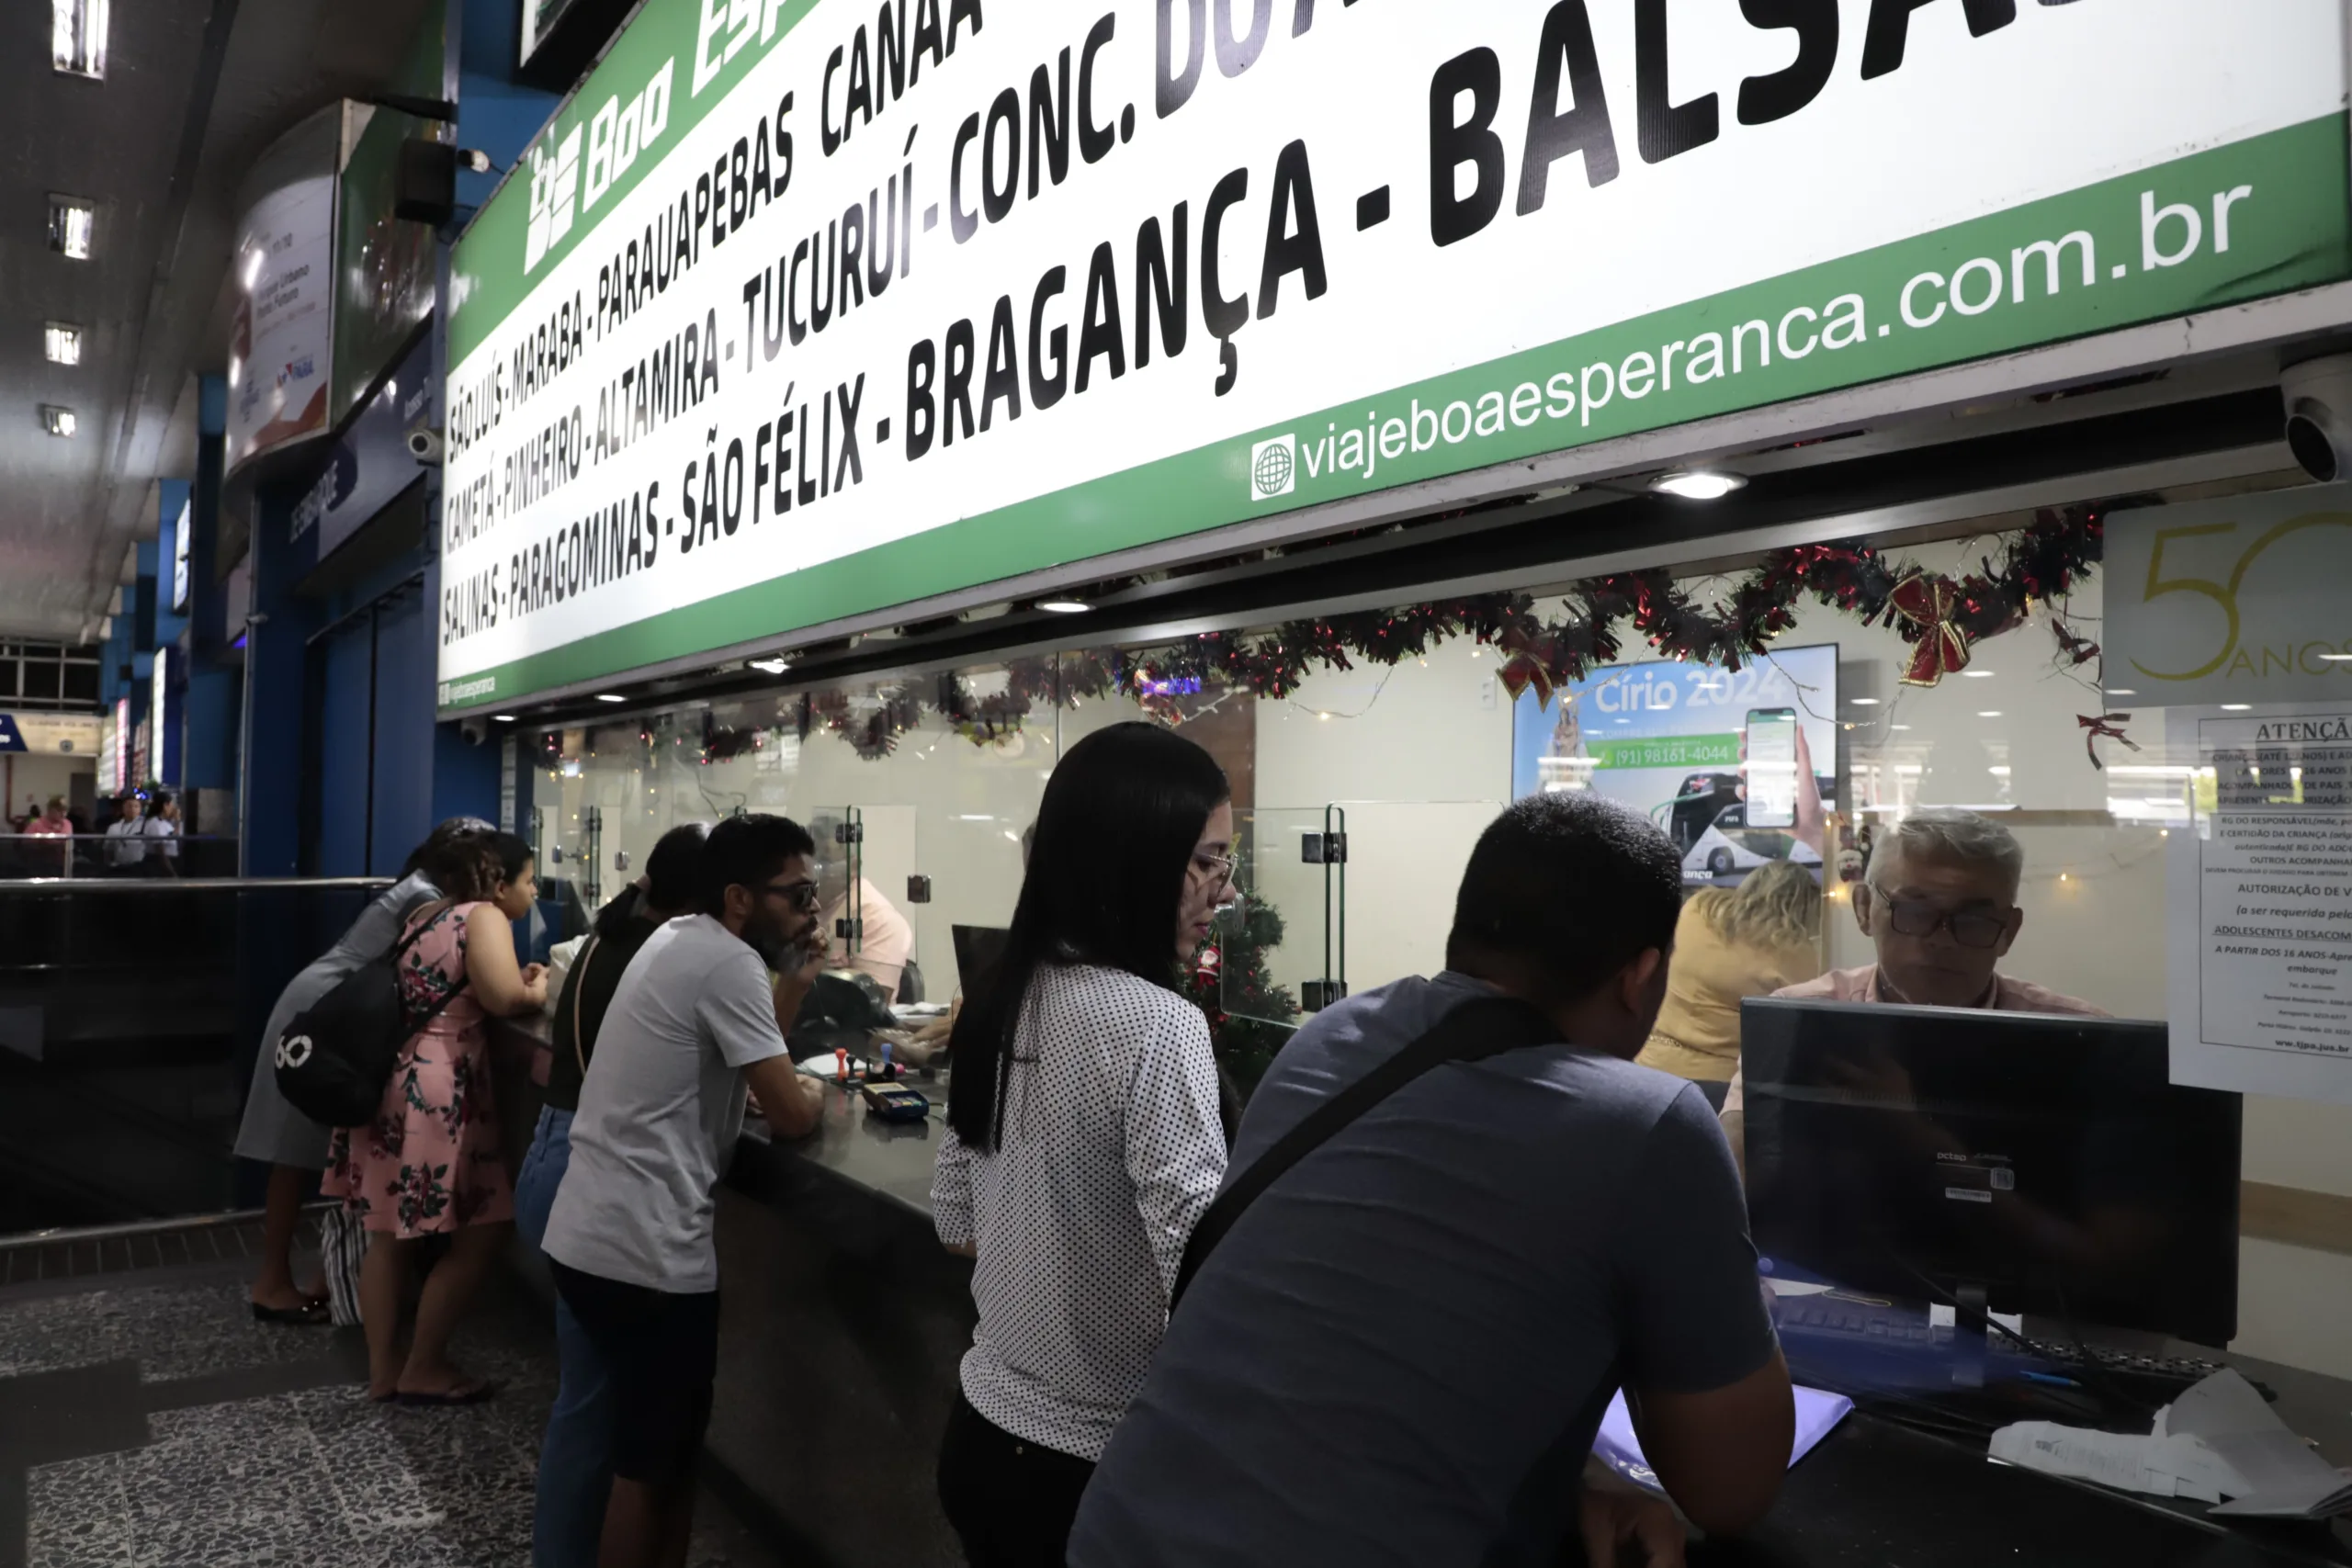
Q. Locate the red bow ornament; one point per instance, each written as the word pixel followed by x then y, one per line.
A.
pixel 1927 602
pixel 2104 726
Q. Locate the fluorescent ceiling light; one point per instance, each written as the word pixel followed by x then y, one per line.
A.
pixel 2134 691
pixel 2338 658
pixel 1698 484
pixel 1989 712
pixel 769 666
pixel 1978 674
pixel 1898 727
pixel 1064 606
pixel 77 36
pixel 60 421
pixel 502 719
pixel 610 697
pixel 1865 701
pixel 63 343
pixel 71 219
pixel 2236 707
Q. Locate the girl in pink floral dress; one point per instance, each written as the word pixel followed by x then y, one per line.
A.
pixel 429 1164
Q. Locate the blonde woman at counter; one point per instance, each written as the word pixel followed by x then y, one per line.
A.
pixel 1731 943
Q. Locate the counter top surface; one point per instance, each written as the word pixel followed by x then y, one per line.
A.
pixel 892 1159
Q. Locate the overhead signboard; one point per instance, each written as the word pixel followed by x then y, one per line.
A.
pixel 2239 600
pixel 369 463
pixel 797 310
pixel 282 337
pixel 52 734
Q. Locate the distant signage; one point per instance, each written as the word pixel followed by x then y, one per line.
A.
pixel 161 751
pixel 114 749
pixel 181 528
pixel 52 734
pixel 2234 601
pixel 369 463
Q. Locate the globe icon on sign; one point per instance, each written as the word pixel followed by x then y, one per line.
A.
pixel 1273 471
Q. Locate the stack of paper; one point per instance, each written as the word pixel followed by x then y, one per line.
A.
pixel 1616 1447
pixel 2219 1439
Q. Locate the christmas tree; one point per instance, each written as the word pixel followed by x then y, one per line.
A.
pixel 1250 1017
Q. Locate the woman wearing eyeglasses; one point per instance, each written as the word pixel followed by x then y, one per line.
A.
pixel 1084 1139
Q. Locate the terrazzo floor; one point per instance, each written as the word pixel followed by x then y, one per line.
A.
pixel 153 1424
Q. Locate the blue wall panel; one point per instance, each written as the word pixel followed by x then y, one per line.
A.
pixel 341 844
pixel 404 694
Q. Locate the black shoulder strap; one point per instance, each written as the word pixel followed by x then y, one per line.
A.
pixel 1488 1026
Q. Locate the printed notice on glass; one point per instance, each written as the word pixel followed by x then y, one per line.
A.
pixel 2261 892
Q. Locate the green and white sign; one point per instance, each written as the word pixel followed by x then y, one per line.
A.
pixel 804 308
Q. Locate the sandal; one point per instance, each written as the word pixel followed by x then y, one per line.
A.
pixel 310 1315
pixel 451 1399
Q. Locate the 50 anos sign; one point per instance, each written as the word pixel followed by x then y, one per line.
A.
pixel 2240 600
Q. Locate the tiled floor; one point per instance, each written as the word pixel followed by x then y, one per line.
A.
pixel 153 1422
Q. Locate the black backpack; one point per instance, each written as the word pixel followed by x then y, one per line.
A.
pixel 336 1056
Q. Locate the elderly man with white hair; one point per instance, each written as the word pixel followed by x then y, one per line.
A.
pixel 1941 904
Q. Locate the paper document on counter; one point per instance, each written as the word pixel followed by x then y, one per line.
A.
pixel 2219 1439
pixel 1617 1447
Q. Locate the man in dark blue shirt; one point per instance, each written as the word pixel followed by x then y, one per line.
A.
pixel 1400 1352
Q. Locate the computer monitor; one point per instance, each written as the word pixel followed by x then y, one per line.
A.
pixel 976 948
pixel 2046 1161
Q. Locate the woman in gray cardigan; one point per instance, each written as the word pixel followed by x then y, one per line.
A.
pixel 290 1144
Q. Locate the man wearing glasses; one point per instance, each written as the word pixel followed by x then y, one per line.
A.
pixel 1940 903
pixel 629 1236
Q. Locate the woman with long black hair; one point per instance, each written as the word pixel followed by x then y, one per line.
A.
pixel 1083 1136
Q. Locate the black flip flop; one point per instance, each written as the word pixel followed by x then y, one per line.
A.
pixel 312 1315
pixel 453 1400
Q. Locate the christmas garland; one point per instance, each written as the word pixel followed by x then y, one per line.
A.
pixel 1941 618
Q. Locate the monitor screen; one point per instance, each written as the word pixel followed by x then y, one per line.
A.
pixel 976 948
pixel 1915 1152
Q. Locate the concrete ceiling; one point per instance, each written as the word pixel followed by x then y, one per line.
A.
pixel 194 90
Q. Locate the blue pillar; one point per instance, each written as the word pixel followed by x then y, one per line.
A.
pixel 276 640
pixel 215 686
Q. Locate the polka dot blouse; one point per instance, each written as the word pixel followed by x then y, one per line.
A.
pixel 1112 1149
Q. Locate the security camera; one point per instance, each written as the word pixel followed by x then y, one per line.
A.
pixel 2318 394
pixel 475 730
pixel 424 445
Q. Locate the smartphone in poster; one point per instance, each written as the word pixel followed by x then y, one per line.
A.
pixel 1717 758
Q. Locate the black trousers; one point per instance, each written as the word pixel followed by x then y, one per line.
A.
pixel 1012 1502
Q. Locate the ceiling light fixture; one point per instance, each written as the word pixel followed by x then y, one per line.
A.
pixel 1064 606
pixel 2122 691
pixel 1978 674
pixel 60 421
pixel 77 36
pixel 502 719
pixel 769 666
pixel 1866 702
pixel 71 220
pixel 2236 707
pixel 1698 484
pixel 63 343
pixel 610 697
pixel 2338 658
pixel 1989 712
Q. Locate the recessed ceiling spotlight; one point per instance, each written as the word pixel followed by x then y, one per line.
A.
pixel 62 341
pixel 1698 484
pixel 1064 606
pixel 77 36
pixel 71 221
pixel 60 421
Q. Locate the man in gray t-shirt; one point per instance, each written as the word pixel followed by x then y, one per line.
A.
pixel 629 1238
pixel 1400 1352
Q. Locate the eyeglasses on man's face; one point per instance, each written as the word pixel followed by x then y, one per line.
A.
pixel 802 895
pixel 1973 927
